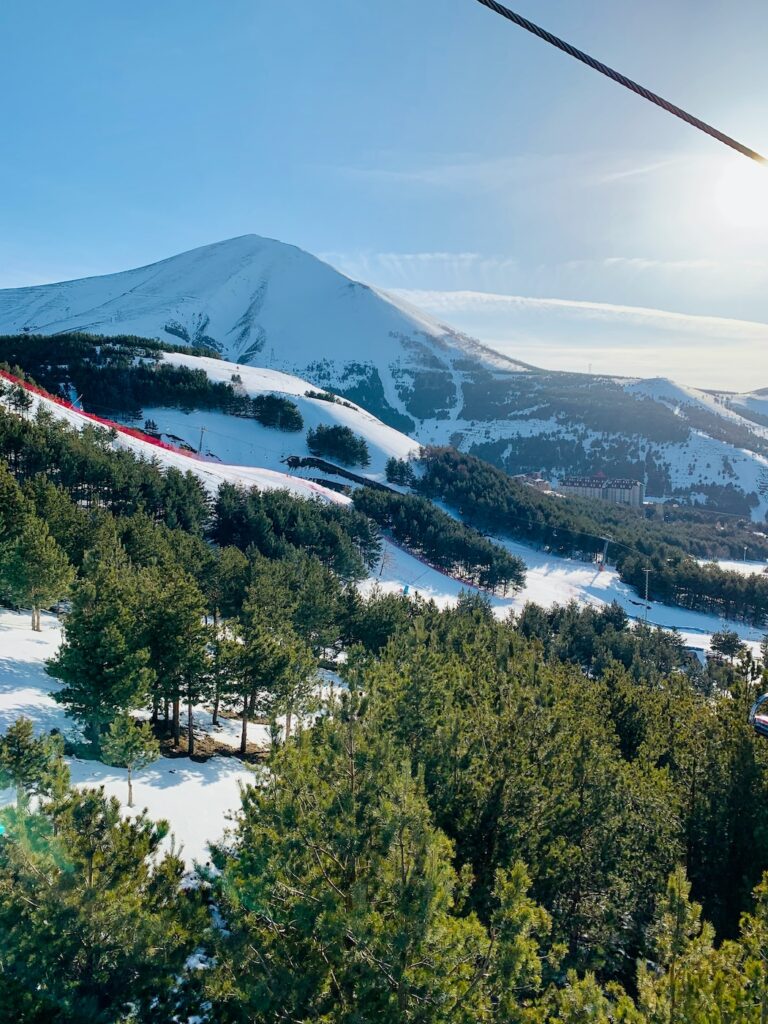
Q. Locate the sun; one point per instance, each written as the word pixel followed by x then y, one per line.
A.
pixel 739 194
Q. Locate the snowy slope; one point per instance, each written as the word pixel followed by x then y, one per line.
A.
pixel 244 441
pixel 195 798
pixel 212 474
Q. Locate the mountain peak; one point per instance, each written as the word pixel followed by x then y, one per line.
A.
pixel 258 300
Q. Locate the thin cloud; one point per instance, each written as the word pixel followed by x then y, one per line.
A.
pixel 446 302
pixel 401 267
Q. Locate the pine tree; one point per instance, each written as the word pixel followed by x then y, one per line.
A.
pixel 37 572
pixel 276 671
pixel 175 634
pixel 94 924
pixel 341 900
pixel 103 661
pixel 33 765
pixel 131 745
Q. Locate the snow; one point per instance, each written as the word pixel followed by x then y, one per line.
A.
pixel 244 441
pixel 250 296
pixel 211 474
pixel 196 798
pixel 551 580
pixel 734 565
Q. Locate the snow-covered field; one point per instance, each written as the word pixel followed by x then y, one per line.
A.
pixel 735 565
pixel 196 798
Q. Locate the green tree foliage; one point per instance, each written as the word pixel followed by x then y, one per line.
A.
pixel 442 541
pixel 400 471
pixel 94 926
pixel 338 868
pixel 13 507
pixel 32 765
pixel 728 643
pixel 175 636
pixel 272 670
pixel 103 662
pixel 276 525
pixel 490 500
pixel 338 443
pixel 131 745
pixel 277 411
pixel 35 572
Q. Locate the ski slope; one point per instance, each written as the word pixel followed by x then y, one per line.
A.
pixel 212 474
pixel 233 439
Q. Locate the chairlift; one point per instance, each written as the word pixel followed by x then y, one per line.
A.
pixel 758 716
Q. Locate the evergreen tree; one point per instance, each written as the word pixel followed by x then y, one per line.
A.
pixel 174 631
pixel 103 661
pixel 131 745
pixel 342 904
pixel 94 925
pixel 32 765
pixel 36 571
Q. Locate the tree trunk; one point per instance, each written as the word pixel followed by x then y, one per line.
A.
pixel 288 721
pixel 166 711
pixel 36 619
pixel 155 707
pixel 130 788
pixel 252 704
pixel 244 733
pixel 176 721
pixel 190 726
pixel 215 719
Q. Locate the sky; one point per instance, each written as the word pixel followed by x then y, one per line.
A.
pixel 427 147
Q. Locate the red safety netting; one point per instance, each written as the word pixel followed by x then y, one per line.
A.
pixel 119 427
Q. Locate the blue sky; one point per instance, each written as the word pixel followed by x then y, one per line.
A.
pixel 425 146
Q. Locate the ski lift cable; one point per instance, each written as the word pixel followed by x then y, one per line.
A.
pixel 616 76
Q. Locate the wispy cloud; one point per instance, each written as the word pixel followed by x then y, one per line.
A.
pixel 404 268
pixel 460 171
pixel 645 263
pixel 444 303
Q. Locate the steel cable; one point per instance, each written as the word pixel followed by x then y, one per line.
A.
pixel 616 76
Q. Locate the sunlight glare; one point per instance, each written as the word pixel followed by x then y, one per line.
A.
pixel 740 194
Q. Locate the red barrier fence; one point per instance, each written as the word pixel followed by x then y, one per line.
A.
pixel 119 427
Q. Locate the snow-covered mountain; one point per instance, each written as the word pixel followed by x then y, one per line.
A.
pixel 264 304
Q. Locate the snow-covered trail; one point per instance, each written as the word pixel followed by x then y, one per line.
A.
pixel 551 580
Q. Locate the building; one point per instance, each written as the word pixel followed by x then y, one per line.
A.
pixel 533 480
pixel 602 488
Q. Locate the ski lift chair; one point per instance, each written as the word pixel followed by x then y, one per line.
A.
pixel 758 716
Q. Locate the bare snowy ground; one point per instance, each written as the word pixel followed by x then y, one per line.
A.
pixel 197 799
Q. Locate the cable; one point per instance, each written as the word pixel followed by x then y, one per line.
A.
pixel 616 76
